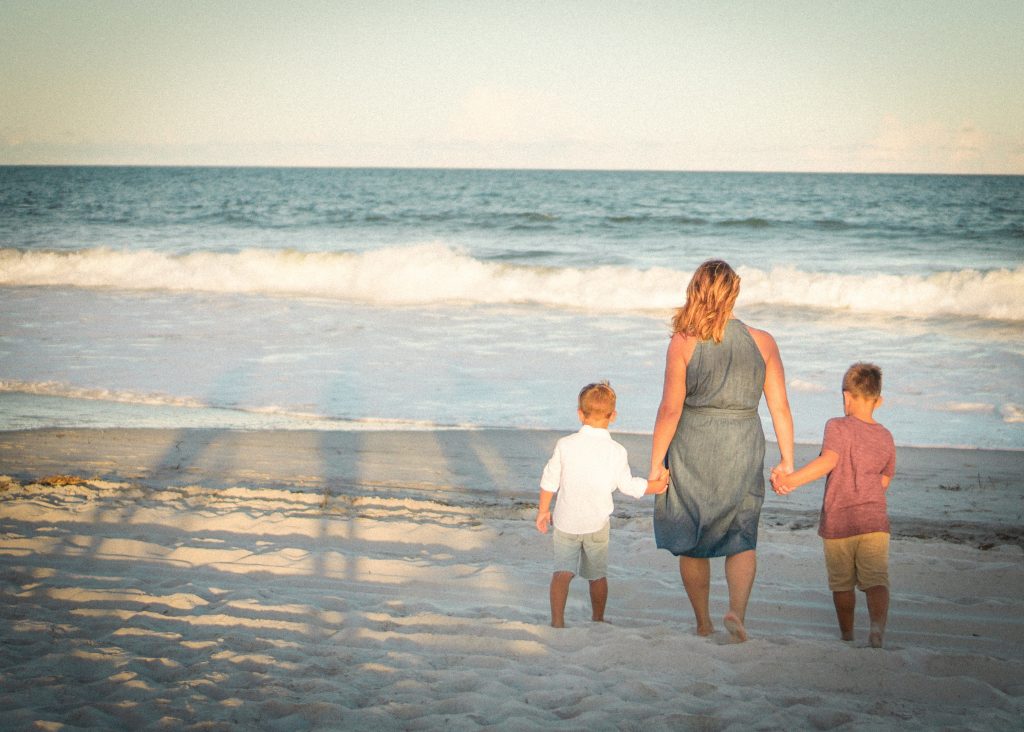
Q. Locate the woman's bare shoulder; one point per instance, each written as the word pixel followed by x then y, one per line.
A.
pixel 765 343
pixel 681 344
pixel 759 335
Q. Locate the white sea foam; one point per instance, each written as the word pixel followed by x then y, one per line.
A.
pixel 807 387
pixel 435 273
pixel 1012 413
pixel 58 389
pixel 995 294
pixel 255 417
pixel 970 407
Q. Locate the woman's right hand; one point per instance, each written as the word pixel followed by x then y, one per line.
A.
pixel 785 467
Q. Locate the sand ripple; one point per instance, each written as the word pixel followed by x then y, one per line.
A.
pixel 181 607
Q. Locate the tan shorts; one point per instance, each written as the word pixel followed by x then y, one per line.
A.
pixel 585 555
pixel 861 561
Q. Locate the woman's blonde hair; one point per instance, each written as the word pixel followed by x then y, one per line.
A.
pixel 710 297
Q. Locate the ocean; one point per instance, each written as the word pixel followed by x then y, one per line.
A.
pixel 349 299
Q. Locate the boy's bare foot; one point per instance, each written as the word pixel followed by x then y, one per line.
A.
pixel 735 627
pixel 847 636
pixel 875 636
pixel 706 630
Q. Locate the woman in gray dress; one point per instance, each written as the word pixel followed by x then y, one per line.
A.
pixel 709 434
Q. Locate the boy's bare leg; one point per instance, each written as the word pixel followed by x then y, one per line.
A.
pixel 696 575
pixel 559 594
pixel 845 602
pixel 598 598
pixel 878 611
pixel 740 570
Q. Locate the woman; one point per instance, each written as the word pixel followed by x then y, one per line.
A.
pixel 709 434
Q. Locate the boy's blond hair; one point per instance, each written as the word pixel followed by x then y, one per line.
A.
pixel 710 297
pixel 597 399
pixel 863 380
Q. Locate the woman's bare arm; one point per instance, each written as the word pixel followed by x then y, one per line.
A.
pixel 775 397
pixel 673 393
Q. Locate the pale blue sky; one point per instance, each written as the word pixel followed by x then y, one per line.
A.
pixel 908 86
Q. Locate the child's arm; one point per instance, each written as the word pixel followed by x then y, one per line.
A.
pixel 817 468
pixel 550 478
pixel 890 467
pixel 544 511
pixel 639 487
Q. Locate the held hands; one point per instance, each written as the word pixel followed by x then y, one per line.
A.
pixel 657 481
pixel 543 521
pixel 780 474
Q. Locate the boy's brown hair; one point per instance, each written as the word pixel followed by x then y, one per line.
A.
pixel 597 399
pixel 863 380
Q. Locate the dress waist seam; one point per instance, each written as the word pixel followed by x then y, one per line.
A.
pixel 721 413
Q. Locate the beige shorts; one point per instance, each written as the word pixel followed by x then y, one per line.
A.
pixel 585 555
pixel 860 561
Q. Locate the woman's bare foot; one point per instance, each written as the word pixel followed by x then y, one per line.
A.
pixel 735 627
pixel 706 630
pixel 875 636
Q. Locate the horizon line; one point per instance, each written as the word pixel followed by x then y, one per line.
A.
pixel 258 166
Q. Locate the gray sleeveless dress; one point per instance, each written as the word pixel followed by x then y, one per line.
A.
pixel 713 504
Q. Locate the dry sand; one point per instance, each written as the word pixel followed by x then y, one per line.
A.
pixel 394 580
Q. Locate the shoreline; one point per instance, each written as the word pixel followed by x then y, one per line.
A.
pixel 965 496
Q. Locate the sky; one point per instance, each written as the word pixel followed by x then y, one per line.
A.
pixel 933 86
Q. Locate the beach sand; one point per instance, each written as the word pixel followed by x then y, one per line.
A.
pixel 177 579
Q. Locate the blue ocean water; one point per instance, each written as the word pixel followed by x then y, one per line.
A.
pixel 347 299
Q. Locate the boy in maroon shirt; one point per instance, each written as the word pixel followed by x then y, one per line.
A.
pixel 859 457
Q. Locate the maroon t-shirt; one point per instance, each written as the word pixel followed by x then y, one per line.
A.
pixel 854 501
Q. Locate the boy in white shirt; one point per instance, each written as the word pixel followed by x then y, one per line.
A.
pixel 584 470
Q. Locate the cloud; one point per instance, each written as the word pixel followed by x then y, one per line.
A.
pixel 929 146
pixel 898 142
pixel 517 116
pixel 970 144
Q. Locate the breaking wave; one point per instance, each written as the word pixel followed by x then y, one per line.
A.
pixel 436 274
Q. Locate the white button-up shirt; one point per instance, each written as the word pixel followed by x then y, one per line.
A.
pixel 584 470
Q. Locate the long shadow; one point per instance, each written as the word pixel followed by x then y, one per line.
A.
pixel 87 600
pixel 189 447
pixel 428 466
